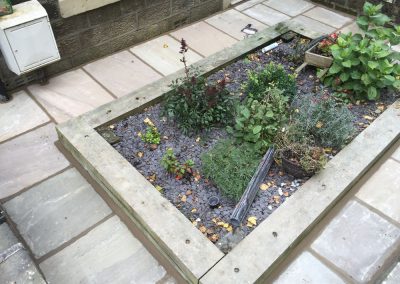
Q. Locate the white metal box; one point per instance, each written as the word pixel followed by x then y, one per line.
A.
pixel 26 38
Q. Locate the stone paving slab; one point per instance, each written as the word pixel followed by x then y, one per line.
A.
pixel 328 17
pixel 394 276
pixel 55 211
pixel 20 115
pixel 266 15
pixel 308 269
pixel 248 4
pixel 107 254
pixel 353 28
pixel 314 25
pixel 232 22
pixel 204 38
pixel 362 242
pixel 290 7
pixel 162 53
pixel 70 94
pixel 382 190
pixel 18 268
pixel 122 73
pixel 28 159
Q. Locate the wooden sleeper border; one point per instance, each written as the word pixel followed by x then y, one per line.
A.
pixel 189 251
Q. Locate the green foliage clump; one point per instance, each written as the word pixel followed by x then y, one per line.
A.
pixel 152 136
pixel 230 166
pixel 272 76
pixel 364 64
pixel 171 164
pixel 195 104
pixel 320 117
pixel 258 121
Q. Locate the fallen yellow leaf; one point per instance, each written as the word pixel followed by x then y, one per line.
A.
pixel 319 124
pixel 139 134
pixel 214 238
pixel 203 229
pixel 194 210
pixel 226 225
pixel 229 229
pixel 367 117
pixel 264 186
pixel 220 224
pixel 252 220
pixel 159 188
pixel 139 154
pixel 183 199
pixel 148 121
pixel 194 223
pixel 214 220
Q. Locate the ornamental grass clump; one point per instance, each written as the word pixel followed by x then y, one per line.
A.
pixel 230 166
pixel 321 118
pixel 196 105
pixel 272 76
pixel 363 65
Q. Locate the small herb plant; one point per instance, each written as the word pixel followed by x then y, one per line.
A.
pixel 320 117
pixel 195 104
pixel 230 166
pixel 152 136
pixel 272 76
pixel 258 121
pixel 365 64
pixel 171 164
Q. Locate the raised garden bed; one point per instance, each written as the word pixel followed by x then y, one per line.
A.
pixel 191 195
pixel 169 231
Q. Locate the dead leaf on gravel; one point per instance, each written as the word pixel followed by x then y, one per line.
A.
pixel 277 199
pixel 188 192
pixel 194 210
pixel 203 229
pixel 367 117
pixel 264 186
pixel 152 178
pixel 229 229
pixel 183 199
pixel 210 231
pixel 112 126
pixel 139 154
pixel 286 194
pixel 194 223
pixel 251 221
pixel 159 188
pixel 148 121
pixel 214 238
pixel 139 134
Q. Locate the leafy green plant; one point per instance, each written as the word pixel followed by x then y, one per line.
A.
pixel 258 121
pixel 171 164
pixel 364 64
pixel 195 104
pixel 230 167
pixel 152 136
pixel 320 117
pixel 272 76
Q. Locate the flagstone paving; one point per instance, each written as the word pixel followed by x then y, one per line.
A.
pixel 162 53
pixel 290 7
pixel 266 15
pixel 204 38
pixel 28 159
pixel 232 22
pixel 20 115
pixel 55 211
pixel 76 238
pixel 122 73
pixel 70 94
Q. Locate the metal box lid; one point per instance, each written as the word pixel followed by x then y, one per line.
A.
pixel 24 12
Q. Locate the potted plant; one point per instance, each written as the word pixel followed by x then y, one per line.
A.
pixel 299 158
pixel 319 55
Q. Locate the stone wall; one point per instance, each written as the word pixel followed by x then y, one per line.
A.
pixel 355 6
pixel 99 32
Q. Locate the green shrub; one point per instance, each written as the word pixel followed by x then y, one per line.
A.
pixel 364 65
pixel 321 118
pixel 230 167
pixel 152 136
pixel 258 121
pixel 272 76
pixel 171 164
pixel 195 104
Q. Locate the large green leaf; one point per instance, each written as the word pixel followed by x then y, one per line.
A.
pixel 257 129
pixel 373 64
pixel 344 77
pixel 365 79
pixel 347 63
pixel 372 93
pixel 335 68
